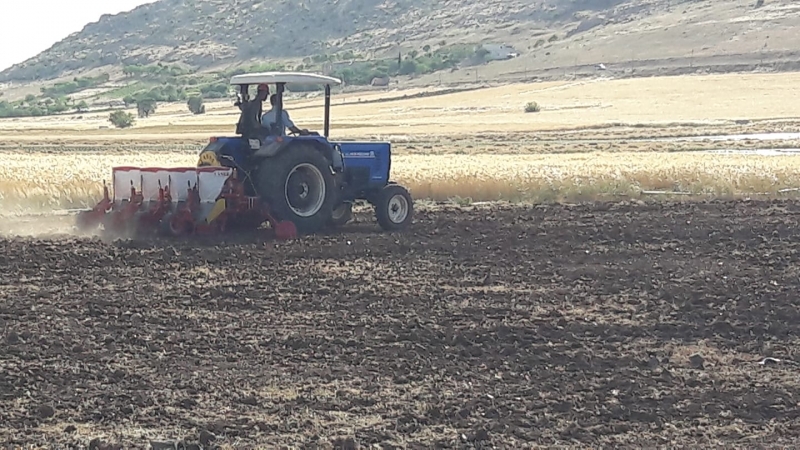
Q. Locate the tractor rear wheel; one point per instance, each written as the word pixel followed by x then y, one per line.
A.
pixel 298 186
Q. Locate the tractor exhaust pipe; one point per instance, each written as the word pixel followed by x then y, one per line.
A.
pixel 327 110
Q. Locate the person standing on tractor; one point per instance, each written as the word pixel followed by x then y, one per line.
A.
pixel 270 118
pixel 251 112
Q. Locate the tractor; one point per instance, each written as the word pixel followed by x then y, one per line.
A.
pixel 300 182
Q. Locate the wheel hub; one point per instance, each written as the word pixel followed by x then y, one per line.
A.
pixel 398 209
pixel 305 190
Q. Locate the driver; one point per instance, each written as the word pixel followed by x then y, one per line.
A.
pixel 269 118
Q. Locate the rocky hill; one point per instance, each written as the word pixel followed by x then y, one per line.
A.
pixel 436 38
pixel 203 33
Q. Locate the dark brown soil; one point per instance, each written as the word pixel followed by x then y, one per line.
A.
pixel 584 326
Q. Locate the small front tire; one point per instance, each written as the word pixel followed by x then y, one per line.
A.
pixel 394 207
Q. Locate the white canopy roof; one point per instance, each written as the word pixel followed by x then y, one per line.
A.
pixel 283 77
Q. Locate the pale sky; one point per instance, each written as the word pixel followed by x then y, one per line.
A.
pixel 32 26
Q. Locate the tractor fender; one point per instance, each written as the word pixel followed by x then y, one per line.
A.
pixel 270 149
pixel 331 152
pixel 333 155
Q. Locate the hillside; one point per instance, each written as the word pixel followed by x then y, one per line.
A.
pixel 203 33
pixel 206 34
pixel 171 50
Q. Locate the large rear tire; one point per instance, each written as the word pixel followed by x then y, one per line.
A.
pixel 299 187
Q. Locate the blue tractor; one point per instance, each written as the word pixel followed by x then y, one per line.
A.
pixel 302 176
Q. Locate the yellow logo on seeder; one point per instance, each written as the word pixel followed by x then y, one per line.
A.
pixel 208 158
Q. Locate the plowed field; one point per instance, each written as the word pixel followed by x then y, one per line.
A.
pixel 515 327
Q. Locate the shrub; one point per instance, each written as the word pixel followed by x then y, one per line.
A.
pixel 532 107
pixel 196 105
pixel 121 119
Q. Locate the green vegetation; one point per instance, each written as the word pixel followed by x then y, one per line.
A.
pixel 76 85
pixel 195 105
pixel 54 99
pixel 146 106
pixel 532 107
pixel 154 83
pixel 413 63
pixel 158 71
pixel 33 107
pixel 121 119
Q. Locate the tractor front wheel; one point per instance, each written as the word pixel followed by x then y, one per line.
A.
pixel 394 207
pixel 298 186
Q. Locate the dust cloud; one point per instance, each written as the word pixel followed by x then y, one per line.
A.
pixel 52 224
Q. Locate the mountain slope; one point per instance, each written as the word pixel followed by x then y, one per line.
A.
pixel 207 32
pixel 548 35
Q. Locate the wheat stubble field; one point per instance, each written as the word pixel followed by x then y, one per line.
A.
pixel 520 324
pixel 592 139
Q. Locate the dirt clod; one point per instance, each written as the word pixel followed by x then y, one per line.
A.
pixel 345 444
pixel 206 438
pixel 45 411
pixel 12 338
pixel 696 361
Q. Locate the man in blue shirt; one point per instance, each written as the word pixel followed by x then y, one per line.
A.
pixel 270 118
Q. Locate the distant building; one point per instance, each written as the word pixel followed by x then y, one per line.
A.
pixel 499 52
pixel 380 81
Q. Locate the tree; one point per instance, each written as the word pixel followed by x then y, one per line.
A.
pixel 196 105
pixel 121 119
pixel 82 106
pixel 408 67
pixel 145 107
pixel 481 53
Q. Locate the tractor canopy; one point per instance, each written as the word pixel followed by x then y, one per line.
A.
pixel 284 78
pixel 280 80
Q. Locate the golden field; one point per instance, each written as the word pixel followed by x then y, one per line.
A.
pixel 592 139
pixel 75 180
pixel 690 101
